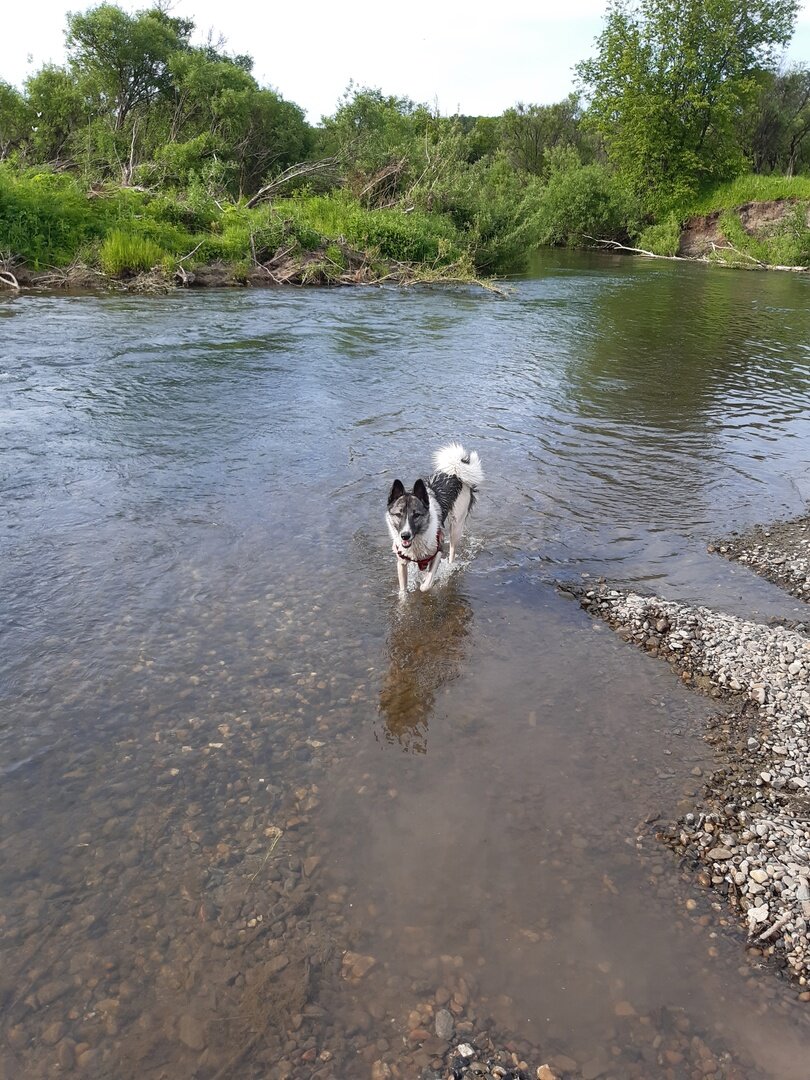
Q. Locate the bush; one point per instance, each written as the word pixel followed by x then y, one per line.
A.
pixel 662 238
pixel 584 201
pixel 124 254
pixel 416 236
pixel 44 217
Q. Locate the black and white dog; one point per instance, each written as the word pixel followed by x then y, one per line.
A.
pixel 418 520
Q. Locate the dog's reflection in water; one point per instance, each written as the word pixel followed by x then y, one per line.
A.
pixel 426 647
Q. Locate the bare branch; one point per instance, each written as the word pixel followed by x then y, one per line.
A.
pixel 295 172
pixel 8 279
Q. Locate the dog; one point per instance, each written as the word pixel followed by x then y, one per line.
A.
pixel 419 520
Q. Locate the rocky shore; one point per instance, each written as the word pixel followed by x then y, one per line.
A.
pixel 779 552
pixel 750 840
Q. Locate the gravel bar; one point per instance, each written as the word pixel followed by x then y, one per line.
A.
pixel 752 839
pixel 779 552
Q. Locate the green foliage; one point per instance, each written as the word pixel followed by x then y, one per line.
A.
pixel 412 237
pixel 775 133
pixel 44 217
pixel 583 202
pixel 669 81
pixel 124 58
pixel 15 119
pixel 124 254
pixel 60 108
pixel 663 238
pixel 153 144
pixel 529 132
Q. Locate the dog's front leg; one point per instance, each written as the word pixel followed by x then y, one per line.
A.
pixel 402 576
pixel 431 571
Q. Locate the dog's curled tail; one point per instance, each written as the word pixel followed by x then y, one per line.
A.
pixel 454 460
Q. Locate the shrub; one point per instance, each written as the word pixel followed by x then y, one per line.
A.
pixel 44 217
pixel 583 201
pixel 662 238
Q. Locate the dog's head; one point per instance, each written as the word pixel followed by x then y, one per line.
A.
pixel 408 512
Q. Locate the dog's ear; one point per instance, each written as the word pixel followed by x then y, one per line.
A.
pixel 396 492
pixel 420 491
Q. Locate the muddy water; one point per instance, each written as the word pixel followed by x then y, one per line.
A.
pixel 257 818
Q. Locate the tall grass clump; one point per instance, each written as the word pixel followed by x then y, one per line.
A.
pixel 662 238
pixel 124 254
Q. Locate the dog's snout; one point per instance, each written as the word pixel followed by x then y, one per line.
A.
pixel 405 534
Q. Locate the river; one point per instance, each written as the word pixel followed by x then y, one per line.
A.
pixel 260 818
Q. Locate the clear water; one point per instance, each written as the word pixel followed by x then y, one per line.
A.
pixel 213 708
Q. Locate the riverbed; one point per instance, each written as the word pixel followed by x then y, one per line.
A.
pixel 258 817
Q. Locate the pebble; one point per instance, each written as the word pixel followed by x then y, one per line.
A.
pixel 192 1033
pixel 444 1024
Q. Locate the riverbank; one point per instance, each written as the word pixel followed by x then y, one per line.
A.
pixel 58 233
pixel 55 233
pixel 749 839
pixel 316 268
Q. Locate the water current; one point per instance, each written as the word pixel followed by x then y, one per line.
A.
pixel 259 818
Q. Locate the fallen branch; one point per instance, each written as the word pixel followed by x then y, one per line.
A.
pixel 8 279
pixel 295 172
pixel 717 248
pixel 188 256
pixel 614 245
pixel 760 264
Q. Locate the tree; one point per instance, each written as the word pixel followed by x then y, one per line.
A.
pixel 670 80
pixel 780 122
pixel 125 57
pixel 529 131
pixel 15 120
pixel 60 109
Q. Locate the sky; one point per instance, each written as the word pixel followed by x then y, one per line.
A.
pixel 477 59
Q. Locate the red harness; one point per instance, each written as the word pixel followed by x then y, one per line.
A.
pixel 423 564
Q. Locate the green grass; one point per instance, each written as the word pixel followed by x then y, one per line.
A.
pixel 662 238
pixel 407 237
pixel 748 188
pixel 124 254
pixel 48 219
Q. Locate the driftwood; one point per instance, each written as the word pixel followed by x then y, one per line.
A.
pixel 717 249
pixel 8 279
pixel 295 172
pixel 614 245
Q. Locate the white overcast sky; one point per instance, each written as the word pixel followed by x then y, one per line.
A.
pixel 477 58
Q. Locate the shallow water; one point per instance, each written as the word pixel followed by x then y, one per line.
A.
pixel 214 711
